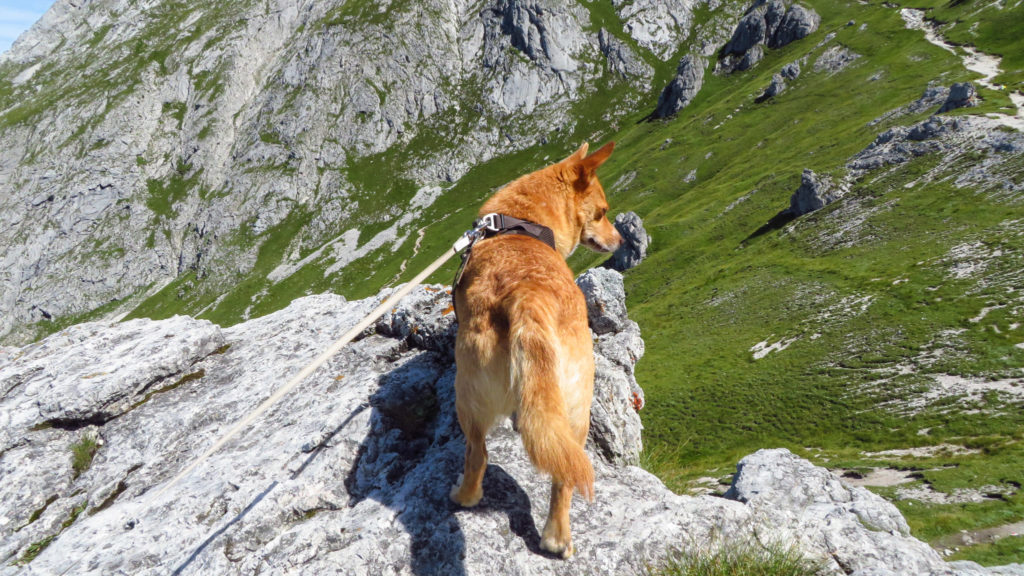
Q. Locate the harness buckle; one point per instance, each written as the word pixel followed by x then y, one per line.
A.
pixel 491 222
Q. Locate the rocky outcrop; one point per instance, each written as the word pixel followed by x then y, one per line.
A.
pixel 790 71
pixel 835 59
pixel 683 88
pixel 933 96
pixel 950 137
pixel 635 241
pixel 798 22
pixel 614 422
pixel 623 61
pixel 815 192
pixel 766 23
pixel 351 472
pixel 961 95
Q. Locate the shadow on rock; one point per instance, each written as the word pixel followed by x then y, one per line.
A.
pixel 412 456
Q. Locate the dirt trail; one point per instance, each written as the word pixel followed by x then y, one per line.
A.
pixel 974 60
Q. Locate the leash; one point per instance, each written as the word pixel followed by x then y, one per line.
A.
pixel 465 241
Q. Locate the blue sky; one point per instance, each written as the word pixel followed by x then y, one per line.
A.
pixel 16 16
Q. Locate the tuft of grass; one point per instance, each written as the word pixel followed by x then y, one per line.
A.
pixel 82 453
pixel 36 548
pixel 740 559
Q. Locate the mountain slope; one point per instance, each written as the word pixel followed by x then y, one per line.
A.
pixel 231 164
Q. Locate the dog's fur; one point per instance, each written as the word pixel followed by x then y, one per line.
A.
pixel 523 344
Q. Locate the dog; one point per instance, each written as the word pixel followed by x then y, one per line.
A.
pixel 523 345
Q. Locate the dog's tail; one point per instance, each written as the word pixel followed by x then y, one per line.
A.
pixel 542 417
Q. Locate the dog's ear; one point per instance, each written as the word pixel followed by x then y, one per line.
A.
pixel 586 168
pixel 597 158
pixel 580 154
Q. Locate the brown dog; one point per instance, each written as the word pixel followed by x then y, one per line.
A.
pixel 523 344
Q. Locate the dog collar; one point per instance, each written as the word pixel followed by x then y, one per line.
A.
pixel 499 224
pixel 494 224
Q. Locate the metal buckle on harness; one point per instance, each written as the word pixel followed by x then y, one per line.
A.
pixel 488 222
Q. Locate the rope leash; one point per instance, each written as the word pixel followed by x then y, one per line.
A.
pixel 465 241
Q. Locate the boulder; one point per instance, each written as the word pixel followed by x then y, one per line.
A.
pixel 835 59
pixel 765 23
pixel 791 71
pixel 961 95
pixel 750 58
pixel 635 241
pixel 799 22
pixel 683 88
pixel 815 192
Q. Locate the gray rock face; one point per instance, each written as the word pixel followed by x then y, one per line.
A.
pixel 657 25
pixel 961 95
pixel 799 22
pixel 635 241
pixel 750 31
pixel 623 61
pixel 791 71
pixel 750 58
pixel 606 299
pixel 683 88
pixel 815 192
pixel 766 23
pixel 228 120
pixel 614 422
pixel 926 130
pixel 351 472
pixel 950 137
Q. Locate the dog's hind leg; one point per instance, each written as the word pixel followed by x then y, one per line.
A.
pixel 470 490
pixel 556 537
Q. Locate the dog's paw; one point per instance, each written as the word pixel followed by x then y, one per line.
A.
pixel 465 500
pixel 563 550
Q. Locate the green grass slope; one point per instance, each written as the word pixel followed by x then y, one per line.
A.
pixel 854 292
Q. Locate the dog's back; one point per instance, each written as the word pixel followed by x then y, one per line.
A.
pixel 523 344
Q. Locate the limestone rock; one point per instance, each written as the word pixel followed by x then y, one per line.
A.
pixel 835 59
pixel 351 472
pixel 790 493
pixel 635 241
pixel 961 95
pixel 765 23
pixel 791 71
pixel 798 22
pixel 750 58
pixel 815 192
pixel 777 85
pixel 614 422
pixel 606 299
pixel 683 88
pixel 656 25
pixel 623 61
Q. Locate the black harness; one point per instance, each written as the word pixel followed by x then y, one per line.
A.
pixel 497 225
